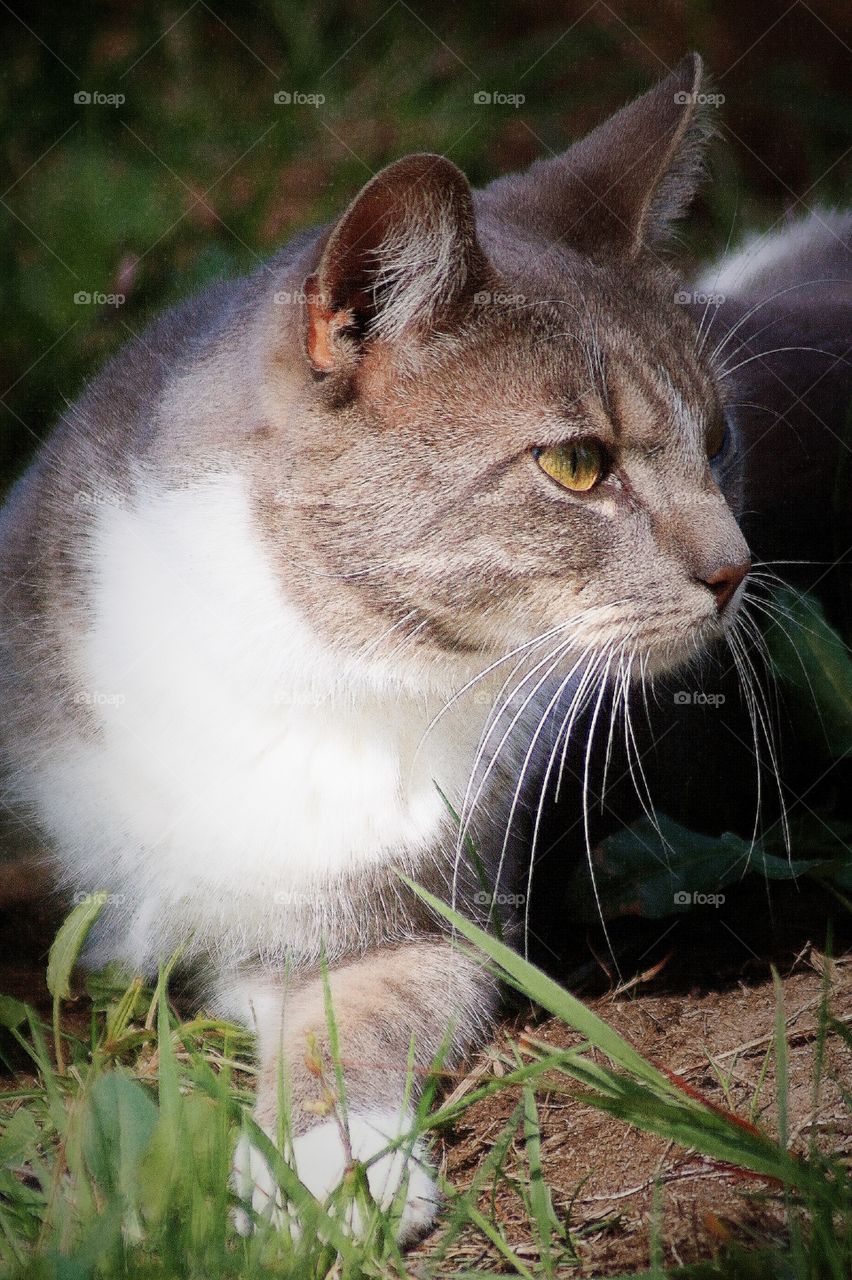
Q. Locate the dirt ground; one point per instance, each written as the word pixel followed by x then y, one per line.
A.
pixel 602 1173
pixel 705 995
pixel 696 989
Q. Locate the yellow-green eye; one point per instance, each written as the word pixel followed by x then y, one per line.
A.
pixel 716 437
pixel 577 465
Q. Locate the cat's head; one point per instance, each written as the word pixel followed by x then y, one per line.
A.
pixel 507 420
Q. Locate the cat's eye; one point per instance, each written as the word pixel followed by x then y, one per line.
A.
pixel 577 465
pixel 717 437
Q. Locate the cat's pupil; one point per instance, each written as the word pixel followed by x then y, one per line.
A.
pixel 716 437
pixel 577 466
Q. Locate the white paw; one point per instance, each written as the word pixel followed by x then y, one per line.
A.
pixel 320 1163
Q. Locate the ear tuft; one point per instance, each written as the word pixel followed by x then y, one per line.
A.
pixel 402 259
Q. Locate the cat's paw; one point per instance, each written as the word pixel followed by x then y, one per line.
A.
pixel 320 1163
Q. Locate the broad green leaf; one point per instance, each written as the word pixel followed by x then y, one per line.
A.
pixel 12 1012
pixel 644 1096
pixel 19 1138
pixel 816 666
pixel 68 944
pixel 637 873
pixel 118 1125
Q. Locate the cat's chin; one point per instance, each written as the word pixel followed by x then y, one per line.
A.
pixel 669 656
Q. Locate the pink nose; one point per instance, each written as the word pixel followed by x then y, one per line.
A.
pixel 724 582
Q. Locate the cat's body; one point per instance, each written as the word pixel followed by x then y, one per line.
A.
pixel 252 574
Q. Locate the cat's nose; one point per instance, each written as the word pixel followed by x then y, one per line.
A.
pixel 724 582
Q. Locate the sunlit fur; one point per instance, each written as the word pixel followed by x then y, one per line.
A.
pixel 288 603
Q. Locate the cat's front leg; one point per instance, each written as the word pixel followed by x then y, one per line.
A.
pixel 423 993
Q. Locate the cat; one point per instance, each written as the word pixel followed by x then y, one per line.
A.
pixel 298 577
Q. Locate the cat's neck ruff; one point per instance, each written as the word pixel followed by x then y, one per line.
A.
pixel 261 769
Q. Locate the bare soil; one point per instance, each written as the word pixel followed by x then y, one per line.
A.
pixel 704 1008
pixel 602 1173
pixel 697 997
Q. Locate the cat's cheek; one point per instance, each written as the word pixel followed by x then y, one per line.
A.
pixel 320 1164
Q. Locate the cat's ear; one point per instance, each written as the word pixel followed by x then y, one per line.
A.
pixel 619 188
pixel 403 258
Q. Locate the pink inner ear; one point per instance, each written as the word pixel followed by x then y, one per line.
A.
pixel 323 323
pixel 402 257
pixel 322 326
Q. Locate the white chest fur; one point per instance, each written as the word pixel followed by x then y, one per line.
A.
pixel 238 765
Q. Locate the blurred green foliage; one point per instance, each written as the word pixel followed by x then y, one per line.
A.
pixel 198 172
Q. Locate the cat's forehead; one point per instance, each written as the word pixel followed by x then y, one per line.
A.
pixel 533 376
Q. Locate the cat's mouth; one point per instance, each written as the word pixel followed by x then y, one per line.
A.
pixel 666 650
pixel 661 645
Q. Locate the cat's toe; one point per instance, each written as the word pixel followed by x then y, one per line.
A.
pixel 254 1184
pixel 320 1163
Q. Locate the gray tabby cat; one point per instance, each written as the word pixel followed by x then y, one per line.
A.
pixel 312 558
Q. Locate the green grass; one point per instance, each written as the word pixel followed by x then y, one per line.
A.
pixel 116 1137
pixel 116 1141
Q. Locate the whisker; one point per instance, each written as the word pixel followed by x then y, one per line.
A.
pixel 764 717
pixel 761 355
pixel 586 824
pixel 546 780
pixel 800 284
pixel 551 661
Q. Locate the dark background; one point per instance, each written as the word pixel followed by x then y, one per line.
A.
pixel 199 173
